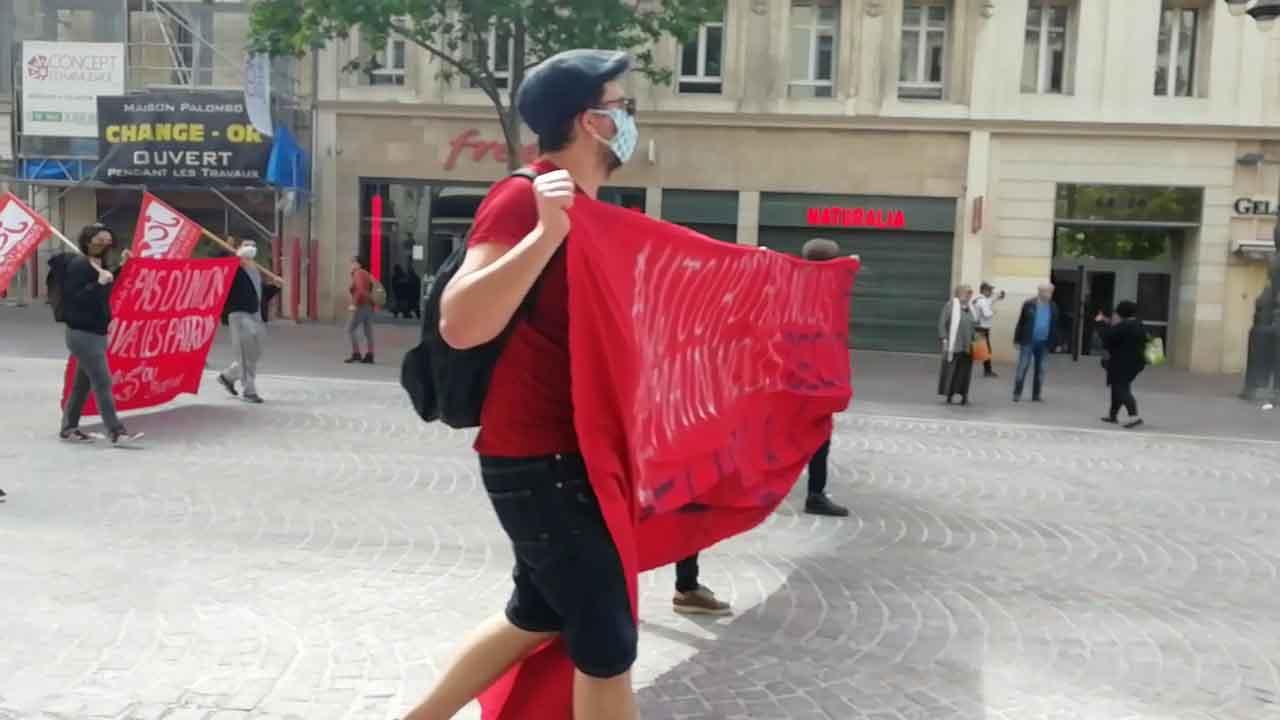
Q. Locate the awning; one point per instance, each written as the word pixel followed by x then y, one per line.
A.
pixel 1261 248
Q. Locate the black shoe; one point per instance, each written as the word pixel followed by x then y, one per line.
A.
pixel 2 496
pixel 355 358
pixel 368 359
pixel 124 437
pixel 1017 398
pixel 990 374
pixel 1110 421
pixel 254 399
pixel 76 435
pixel 1136 422
pixel 822 505
pixel 964 400
pixel 230 386
pixel 948 399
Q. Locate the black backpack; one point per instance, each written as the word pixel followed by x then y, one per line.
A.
pixel 444 383
pixel 55 284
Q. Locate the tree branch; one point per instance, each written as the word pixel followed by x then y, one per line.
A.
pixel 437 52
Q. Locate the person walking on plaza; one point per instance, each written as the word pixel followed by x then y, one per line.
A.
pixel 1035 335
pixel 361 313
pixel 984 312
pixel 244 313
pixel 85 307
pixel 957 333
pixel 692 597
pixel 569 579
pixel 817 502
pixel 1125 341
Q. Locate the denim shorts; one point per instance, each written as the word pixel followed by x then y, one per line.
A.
pixel 568 576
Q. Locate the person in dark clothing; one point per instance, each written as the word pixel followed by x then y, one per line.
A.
pixel 245 314
pixel 1035 336
pixel 816 501
pixel 86 308
pixel 402 288
pixel 1125 340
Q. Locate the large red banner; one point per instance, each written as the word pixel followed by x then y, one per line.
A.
pixel 164 316
pixel 21 232
pixel 704 378
pixel 163 232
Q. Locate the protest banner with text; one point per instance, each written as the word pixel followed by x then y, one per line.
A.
pixel 704 377
pixel 21 232
pixel 165 314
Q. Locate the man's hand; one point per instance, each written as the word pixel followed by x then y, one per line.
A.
pixel 105 277
pixel 351 308
pixel 554 193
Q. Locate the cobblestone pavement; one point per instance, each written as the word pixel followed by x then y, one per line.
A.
pixel 318 556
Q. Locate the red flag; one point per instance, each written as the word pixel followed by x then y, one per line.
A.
pixel 163 232
pixel 21 232
pixel 704 378
pixel 164 315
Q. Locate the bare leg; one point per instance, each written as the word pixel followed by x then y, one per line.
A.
pixel 603 698
pixel 493 648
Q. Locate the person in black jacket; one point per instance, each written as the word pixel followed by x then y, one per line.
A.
pixel 1035 336
pixel 1125 340
pixel 86 310
pixel 244 313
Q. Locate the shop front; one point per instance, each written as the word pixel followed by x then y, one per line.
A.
pixel 1113 243
pixel 906 246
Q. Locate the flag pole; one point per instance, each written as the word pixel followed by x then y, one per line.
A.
pixel 64 239
pixel 229 247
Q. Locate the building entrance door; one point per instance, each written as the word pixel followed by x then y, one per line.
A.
pixel 1086 284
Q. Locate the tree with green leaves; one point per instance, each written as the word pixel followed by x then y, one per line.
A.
pixel 457 34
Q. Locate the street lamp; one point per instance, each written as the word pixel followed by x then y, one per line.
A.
pixel 1265 12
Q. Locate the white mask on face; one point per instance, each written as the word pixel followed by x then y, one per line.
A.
pixel 247 251
pixel 623 144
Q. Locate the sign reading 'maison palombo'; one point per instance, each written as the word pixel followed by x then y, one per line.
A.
pixel 180 137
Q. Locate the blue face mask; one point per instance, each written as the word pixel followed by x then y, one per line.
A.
pixel 623 144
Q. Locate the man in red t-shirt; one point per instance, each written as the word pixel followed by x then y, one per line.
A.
pixel 569 580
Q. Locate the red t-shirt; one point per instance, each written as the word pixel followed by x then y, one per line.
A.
pixel 527 411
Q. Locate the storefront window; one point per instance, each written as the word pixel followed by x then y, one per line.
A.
pixel 627 197
pixel 711 212
pixel 1112 243
pixel 1126 203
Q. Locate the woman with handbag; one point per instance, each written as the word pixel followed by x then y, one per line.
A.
pixel 1125 341
pixel 956 331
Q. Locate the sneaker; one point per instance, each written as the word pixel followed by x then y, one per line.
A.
pixel 368 359
pixel 355 358
pixel 76 435
pixel 700 602
pixel 254 399
pixel 228 384
pixel 124 437
pixel 822 505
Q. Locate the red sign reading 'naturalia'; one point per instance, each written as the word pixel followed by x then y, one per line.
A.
pixel 857 217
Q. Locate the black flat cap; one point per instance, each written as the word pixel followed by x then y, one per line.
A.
pixel 565 84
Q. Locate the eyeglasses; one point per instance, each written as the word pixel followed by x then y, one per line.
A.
pixel 626 103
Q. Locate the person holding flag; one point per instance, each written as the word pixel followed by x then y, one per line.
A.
pixel 244 313
pixel 568 580
pixel 85 285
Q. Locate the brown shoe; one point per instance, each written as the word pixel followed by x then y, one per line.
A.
pixel 700 602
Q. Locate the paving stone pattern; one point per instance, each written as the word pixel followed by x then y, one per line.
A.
pixel 319 556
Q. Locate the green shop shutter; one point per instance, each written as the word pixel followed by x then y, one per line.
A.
pixel 904 281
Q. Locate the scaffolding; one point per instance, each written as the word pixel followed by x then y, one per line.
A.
pixel 169 45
